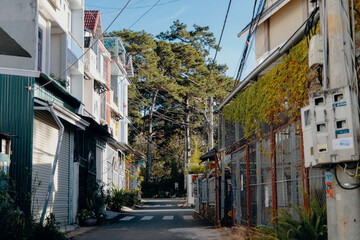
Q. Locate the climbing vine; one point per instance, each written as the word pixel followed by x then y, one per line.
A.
pixel 276 97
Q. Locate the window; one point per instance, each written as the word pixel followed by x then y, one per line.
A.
pixel 307 117
pixel 40 45
pixel 319 101
pixel 338 97
pixel 321 127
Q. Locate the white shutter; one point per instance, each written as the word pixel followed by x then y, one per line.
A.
pixel 45 140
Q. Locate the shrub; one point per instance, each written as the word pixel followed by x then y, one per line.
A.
pixel 311 224
pixel 14 223
pixel 85 214
pixel 95 200
pixel 121 197
pixel 117 199
pixel 50 230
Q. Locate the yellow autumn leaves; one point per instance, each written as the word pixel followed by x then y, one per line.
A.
pixel 276 98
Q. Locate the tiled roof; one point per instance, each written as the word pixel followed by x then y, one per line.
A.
pixel 91 19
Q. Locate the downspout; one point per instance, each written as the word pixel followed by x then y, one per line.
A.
pixel 50 108
pixel 217 223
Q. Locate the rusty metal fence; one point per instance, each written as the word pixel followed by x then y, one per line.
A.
pixel 260 185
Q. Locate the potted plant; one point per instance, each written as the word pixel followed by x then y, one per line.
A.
pixel 87 217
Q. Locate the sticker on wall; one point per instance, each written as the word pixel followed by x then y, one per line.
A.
pixel 329 185
pixel 267 197
pixel 342 143
pixel 342 131
pixel 340 104
pixel 242 182
pixel 329 190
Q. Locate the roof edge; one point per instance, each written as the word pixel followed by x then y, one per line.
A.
pixel 296 37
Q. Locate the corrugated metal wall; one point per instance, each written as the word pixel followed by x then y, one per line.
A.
pixel 16 118
pixel 46 134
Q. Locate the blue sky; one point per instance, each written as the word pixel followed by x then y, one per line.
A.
pixel 201 12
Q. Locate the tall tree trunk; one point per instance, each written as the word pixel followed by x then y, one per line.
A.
pixel 187 132
pixel 149 149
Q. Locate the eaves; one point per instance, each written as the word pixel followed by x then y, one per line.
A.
pixel 279 52
pixel 265 15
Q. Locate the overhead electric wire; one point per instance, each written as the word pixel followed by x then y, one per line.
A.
pixel 222 30
pixel 253 26
pixel 144 14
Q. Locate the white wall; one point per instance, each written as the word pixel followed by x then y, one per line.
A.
pixel 18 18
pixel 88 96
pixel 77 86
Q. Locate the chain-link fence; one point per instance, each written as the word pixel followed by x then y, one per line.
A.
pixel 252 175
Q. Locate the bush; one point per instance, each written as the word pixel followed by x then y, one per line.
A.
pixel 311 224
pixel 96 199
pixel 117 199
pixel 14 223
pixel 121 197
pixel 51 230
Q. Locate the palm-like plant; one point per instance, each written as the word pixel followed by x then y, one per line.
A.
pixel 309 224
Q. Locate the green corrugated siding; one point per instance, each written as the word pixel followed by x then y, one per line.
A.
pixel 16 118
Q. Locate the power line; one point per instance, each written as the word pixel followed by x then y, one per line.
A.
pixel 222 30
pixel 253 26
pixel 144 14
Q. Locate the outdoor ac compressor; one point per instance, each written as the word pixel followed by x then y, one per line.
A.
pixel 330 127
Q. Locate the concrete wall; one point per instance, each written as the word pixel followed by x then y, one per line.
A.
pixel 55 61
pixel 279 27
pixel 18 18
pixel 89 92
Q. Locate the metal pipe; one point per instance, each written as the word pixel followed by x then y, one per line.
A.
pixel 324 11
pixel 50 108
pixel 304 170
pixel 217 223
pixel 273 169
pixel 248 185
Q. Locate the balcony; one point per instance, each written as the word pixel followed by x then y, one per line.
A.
pixel 118 52
pixel 90 65
pixel 115 111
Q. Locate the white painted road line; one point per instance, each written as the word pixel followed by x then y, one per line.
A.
pixel 168 217
pixel 188 217
pixel 147 218
pixel 128 218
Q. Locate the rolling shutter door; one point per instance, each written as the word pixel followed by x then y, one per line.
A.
pixel 45 140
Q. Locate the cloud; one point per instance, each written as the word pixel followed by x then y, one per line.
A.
pixel 177 14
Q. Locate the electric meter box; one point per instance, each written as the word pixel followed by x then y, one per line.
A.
pixel 331 127
pixel 316 52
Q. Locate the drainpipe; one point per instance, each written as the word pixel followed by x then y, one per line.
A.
pixel 217 222
pixel 50 108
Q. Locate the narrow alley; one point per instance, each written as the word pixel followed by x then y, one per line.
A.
pixel 158 219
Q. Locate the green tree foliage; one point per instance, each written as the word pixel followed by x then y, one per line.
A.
pixel 157 105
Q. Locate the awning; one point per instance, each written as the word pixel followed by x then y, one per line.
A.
pixel 96 128
pixel 65 114
pixel 100 87
pixel 210 155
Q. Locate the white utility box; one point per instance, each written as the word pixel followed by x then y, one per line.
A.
pixel 331 127
pixel 316 51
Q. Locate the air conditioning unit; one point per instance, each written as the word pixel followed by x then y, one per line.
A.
pixel 316 51
pixel 331 127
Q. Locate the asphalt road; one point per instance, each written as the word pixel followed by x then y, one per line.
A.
pixel 157 219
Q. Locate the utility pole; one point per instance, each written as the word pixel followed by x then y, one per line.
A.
pixel 343 201
pixel 149 146
pixel 186 138
pixel 210 123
